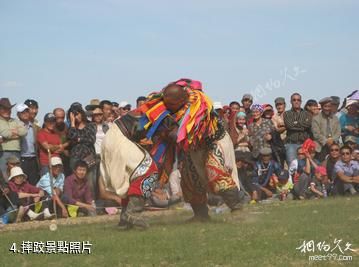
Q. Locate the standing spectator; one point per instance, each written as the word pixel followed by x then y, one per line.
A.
pixel 325 128
pixel 246 174
pixel 124 108
pixel 298 124
pixel 260 130
pixel 235 106
pixel 33 109
pixel 240 133
pixel 61 130
pixel 77 189
pixel 82 135
pixel 48 140
pixel 335 105
pixel 106 107
pixel 347 171
pixel 140 101
pixel 115 109
pixel 268 111
pixel 247 101
pixel 277 119
pixel 58 183
pixel 312 107
pixel 29 159
pixel 11 131
pixel 349 122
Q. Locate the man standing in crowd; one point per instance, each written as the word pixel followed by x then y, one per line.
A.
pixel 247 101
pixel 298 123
pixel 277 119
pixel 11 131
pixel 124 108
pixel 335 105
pixel 29 159
pixel 325 128
pixel 33 109
pixel 140 101
pixel 106 107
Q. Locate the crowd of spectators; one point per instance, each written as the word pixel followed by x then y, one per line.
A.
pixel 282 152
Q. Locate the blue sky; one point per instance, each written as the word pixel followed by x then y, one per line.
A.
pixel 62 51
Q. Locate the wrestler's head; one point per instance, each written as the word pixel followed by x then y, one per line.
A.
pixel 174 97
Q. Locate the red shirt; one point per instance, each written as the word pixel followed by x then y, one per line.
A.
pixel 51 139
pixel 25 187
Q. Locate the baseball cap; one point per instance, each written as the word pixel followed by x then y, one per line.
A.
pixel 49 117
pixel 21 107
pixel 56 161
pixel 31 103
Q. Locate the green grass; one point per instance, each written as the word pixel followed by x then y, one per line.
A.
pixel 262 235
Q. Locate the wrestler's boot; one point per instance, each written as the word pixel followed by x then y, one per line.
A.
pixel 232 199
pixel 132 214
pixel 200 213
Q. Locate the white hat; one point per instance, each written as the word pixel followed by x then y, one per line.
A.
pixel 123 104
pixel 16 171
pixel 56 161
pixel 21 107
pixel 217 105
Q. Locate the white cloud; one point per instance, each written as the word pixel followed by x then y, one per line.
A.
pixel 10 84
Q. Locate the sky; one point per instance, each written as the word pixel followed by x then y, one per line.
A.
pixel 61 51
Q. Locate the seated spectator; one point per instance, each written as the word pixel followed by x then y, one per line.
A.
pixel 246 174
pixel 329 163
pixel 347 173
pixel 11 162
pixel 58 183
pixel 318 184
pixel 77 190
pixel 27 195
pixel 351 141
pixel 7 197
pixel 48 140
pixel 284 186
pixel 267 172
pixel 300 170
pixel 260 131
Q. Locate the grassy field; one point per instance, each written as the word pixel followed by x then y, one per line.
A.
pixel 261 235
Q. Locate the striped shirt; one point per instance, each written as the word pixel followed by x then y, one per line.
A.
pixel 298 125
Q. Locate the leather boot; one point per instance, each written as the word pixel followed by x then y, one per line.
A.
pixel 131 215
pixel 200 213
pixel 232 199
